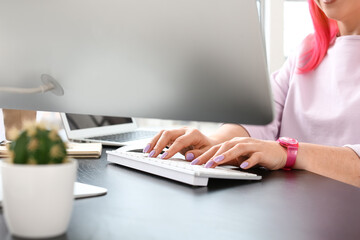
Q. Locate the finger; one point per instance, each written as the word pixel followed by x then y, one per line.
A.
pixel 180 143
pixel 236 161
pixel 226 146
pixel 187 149
pixel 203 158
pixel 166 137
pixel 221 148
pixel 251 161
pixel 192 154
pixel 238 150
pixel 218 155
pixel 153 141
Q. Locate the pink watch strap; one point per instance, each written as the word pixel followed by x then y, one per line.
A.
pixel 291 157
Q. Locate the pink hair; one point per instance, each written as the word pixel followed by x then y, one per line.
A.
pixel 326 30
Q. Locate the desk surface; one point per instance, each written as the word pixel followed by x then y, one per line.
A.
pixel 284 205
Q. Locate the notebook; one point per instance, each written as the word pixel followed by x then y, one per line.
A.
pixel 74 150
pixel 111 131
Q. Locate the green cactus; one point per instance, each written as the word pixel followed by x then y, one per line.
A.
pixel 37 145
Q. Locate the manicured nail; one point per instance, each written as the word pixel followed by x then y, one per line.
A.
pixel 146 149
pixel 209 164
pixel 152 153
pixel 218 158
pixel 189 156
pixel 196 161
pixel 244 165
pixel 164 155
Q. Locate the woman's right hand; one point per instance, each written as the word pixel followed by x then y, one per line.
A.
pixel 188 141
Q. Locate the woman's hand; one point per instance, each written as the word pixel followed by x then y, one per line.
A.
pixel 246 153
pixel 188 141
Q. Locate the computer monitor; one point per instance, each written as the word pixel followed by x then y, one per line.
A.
pixel 200 60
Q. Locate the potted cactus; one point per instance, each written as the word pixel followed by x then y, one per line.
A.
pixel 38 181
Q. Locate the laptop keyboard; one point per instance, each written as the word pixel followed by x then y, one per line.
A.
pixel 125 137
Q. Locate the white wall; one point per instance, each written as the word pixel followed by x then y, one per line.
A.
pixel 274 33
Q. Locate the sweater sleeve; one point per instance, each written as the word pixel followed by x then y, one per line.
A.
pixel 355 148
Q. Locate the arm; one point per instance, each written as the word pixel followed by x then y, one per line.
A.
pixel 227 132
pixel 340 163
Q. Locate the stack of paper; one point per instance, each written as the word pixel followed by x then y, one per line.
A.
pixel 84 150
pixel 3 152
pixel 74 150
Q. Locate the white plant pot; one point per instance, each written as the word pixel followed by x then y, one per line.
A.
pixel 38 199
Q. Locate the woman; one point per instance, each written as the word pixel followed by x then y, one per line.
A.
pixel 317 99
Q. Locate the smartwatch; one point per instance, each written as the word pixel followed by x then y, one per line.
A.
pixel 292 146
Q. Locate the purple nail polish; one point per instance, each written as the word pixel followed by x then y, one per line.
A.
pixel 146 149
pixel 189 156
pixel 152 153
pixel 209 164
pixel 196 161
pixel 164 155
pixel 244 165
pixel 219 158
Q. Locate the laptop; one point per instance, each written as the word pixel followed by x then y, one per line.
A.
pixel 110 131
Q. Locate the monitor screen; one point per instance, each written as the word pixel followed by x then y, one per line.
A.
pixel 80 121
pixel 196 60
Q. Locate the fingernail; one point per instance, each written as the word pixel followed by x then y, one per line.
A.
pixel 244 165
pixel 152 153
pixel 146 149
pixel 196 161
pixel 189 156
pixel 164 155
pixel 218 158
pixel 209 164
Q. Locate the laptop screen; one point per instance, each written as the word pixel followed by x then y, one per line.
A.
pixel 80 121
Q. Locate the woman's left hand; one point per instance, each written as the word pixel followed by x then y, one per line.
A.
pixel 246 153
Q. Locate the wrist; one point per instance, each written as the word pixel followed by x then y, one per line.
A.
pixel 291 145
pixel 301 159
pixel 227 132
pixel 214 140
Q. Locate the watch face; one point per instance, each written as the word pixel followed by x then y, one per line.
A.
pixel 289 141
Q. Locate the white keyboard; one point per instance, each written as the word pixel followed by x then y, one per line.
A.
pixel 176 169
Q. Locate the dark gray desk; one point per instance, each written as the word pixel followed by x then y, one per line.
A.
pixel 284 205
